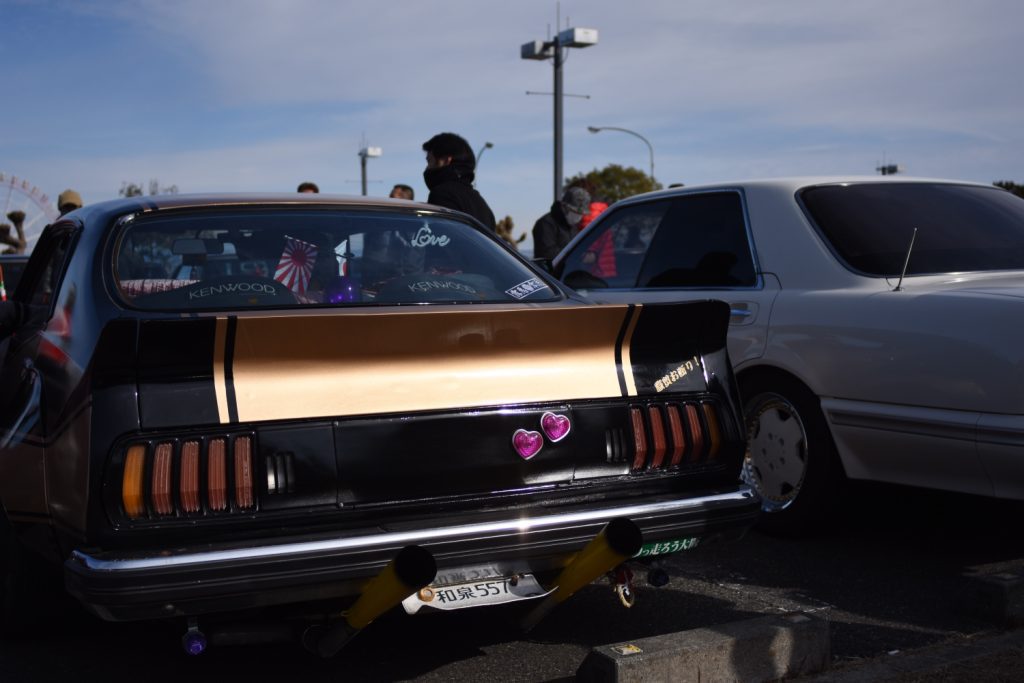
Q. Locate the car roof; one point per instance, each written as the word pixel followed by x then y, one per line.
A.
pixel 102 213
pixel 794 183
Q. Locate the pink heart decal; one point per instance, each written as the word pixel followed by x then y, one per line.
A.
pixel 555 426
pixel 527 444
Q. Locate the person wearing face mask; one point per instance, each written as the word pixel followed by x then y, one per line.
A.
pixel 449 177
pixel 553 230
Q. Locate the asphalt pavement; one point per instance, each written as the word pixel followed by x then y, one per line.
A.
pixel 893 575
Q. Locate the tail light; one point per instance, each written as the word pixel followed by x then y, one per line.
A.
pixel 172 477
pixel 674 434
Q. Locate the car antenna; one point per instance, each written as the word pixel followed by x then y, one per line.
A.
pixel 906 261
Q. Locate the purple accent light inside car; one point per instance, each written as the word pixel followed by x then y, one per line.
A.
pixel 342 289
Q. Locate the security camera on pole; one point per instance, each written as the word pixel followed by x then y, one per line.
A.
pixel 552 49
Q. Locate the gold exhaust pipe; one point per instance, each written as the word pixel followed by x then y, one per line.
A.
pixel 619 540
pixel 412 569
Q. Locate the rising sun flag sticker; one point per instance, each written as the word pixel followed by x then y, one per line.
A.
pixel 296 265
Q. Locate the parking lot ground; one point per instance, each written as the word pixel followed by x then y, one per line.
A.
pixel 996 657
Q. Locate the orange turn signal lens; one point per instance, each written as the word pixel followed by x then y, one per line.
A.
pixel 131 482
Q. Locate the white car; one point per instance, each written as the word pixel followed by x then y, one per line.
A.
pixel 876 324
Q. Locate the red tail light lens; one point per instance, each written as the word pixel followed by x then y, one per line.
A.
pixel 657 436
pixel 243 473
pixel 675 434
pixel 639 438
pixel 696 432
pixel 675 425
pixel 160 489
pixel 172 467
pixel 189 481
pixel 217 475
pixel 714 433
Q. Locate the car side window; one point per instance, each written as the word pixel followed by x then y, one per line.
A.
pixel 45 285
pixel 702 243
pixel 612 255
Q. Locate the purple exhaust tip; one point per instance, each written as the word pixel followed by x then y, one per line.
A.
pixel 194 642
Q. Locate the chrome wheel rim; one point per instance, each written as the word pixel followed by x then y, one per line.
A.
pixel 775 464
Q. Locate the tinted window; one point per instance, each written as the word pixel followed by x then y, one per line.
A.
pixel 10 272
pixel 54 252
pixel 695 240
pixel 286 258
pixel 613 253
pixel 959 227
pixel 702 242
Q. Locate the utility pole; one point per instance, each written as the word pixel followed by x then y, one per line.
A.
pixel 552 49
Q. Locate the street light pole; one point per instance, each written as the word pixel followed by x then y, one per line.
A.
pixel 364 154
pixel 558 119
pixel 650 148
pixel 487 146
pixel 552 49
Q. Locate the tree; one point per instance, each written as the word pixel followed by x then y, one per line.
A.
pixel 504 229
pixel 614 182
pixel 135 190
pixel 1011 186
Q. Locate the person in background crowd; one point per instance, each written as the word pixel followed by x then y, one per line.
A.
pixel 308 187
pixel 596 207
pixel 402 192
pixel 451 166
pixel 553 230
pixel 68 201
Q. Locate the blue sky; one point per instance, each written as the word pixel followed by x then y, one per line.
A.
pixel 258 95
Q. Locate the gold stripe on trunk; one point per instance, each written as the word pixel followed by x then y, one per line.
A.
pixel 361 363
pixel 219 377
pixel 627 363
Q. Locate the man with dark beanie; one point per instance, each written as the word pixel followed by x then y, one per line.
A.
pixel 449 177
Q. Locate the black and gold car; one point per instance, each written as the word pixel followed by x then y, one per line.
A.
pixel 216 404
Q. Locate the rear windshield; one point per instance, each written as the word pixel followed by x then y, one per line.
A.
pixel 959 227
pixel 275 257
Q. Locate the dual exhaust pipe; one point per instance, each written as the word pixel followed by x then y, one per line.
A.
pixel 414 568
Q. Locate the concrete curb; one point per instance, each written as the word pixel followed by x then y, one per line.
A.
pixel 990 657
pixel 761 649
pixel 996 594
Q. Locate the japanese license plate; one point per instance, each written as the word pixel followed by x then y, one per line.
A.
pixel 666 547
pixel 475 593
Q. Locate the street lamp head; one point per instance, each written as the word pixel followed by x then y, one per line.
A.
pixel 536 49
pixel 593 129
pixel 488 145
pixel 578 37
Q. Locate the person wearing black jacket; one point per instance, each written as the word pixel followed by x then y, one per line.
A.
pixel 553 230
pixel 449 177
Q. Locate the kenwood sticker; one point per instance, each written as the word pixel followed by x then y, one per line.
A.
pixel 233 288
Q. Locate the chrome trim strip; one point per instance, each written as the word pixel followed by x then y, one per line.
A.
pixel 928 422
pixel 402 538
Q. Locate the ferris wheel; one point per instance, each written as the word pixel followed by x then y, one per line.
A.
pixel 18 194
